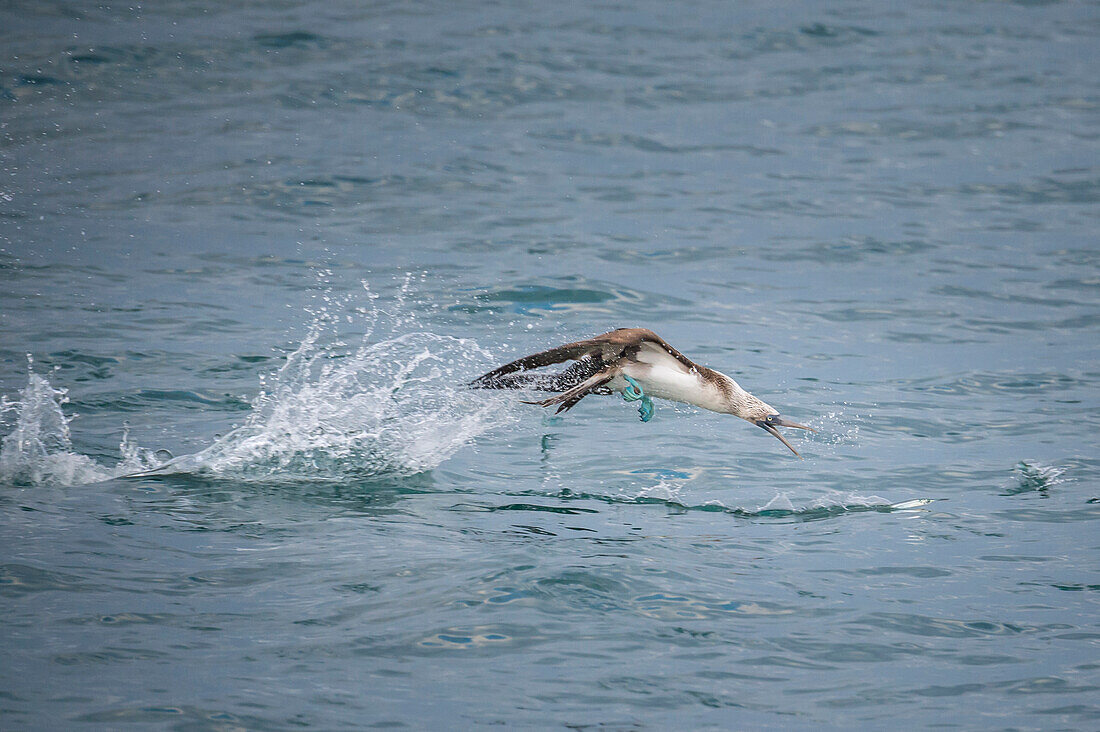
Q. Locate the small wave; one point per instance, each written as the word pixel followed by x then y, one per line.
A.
pixel 832 503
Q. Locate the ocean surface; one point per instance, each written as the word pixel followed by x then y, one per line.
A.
pixel 252 252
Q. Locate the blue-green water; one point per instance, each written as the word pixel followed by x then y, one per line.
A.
pixel 273 240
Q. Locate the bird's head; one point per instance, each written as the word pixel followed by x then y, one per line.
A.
pixel 768 418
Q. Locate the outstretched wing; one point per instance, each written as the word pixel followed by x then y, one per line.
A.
pixel 569 352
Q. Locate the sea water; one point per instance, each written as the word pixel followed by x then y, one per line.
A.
pixel 250 255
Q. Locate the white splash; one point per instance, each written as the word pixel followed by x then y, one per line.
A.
pixel 1033 475
pixel 662 491
pixel 395 405
pixel 38 449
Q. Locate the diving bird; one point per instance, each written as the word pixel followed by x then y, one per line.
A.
pixel 637 363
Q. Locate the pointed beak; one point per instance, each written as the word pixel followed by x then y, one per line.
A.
pixel 770 424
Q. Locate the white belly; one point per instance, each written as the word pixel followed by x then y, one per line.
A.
pixel 670 383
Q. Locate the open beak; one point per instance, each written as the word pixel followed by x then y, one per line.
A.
pixel 771 423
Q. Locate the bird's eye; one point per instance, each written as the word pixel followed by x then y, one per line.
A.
pixel 772 418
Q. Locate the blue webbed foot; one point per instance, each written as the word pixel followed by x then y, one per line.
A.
pixel 634 392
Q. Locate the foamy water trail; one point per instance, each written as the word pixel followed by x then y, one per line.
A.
pixel 395 404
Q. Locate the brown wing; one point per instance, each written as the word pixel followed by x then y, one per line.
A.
pixel 569 352
pixel 568 399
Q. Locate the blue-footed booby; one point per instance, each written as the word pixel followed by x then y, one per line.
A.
pixel 602 365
